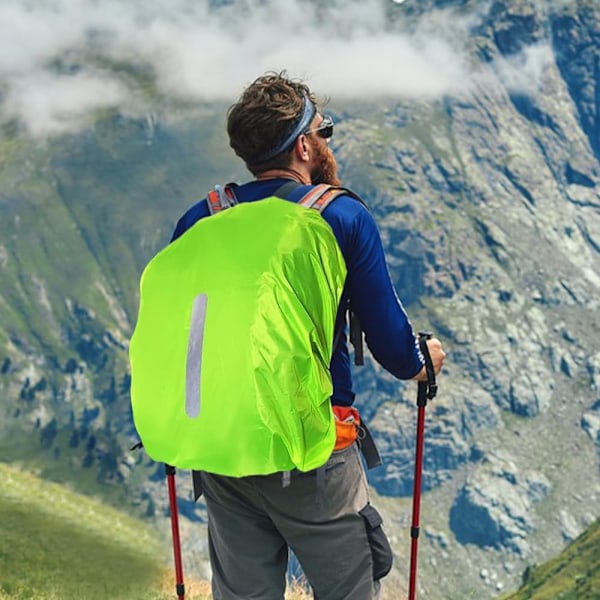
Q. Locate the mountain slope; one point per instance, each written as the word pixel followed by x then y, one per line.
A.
pixel 489 207
pixel 575 573
pixel 58 544
pixel 80 217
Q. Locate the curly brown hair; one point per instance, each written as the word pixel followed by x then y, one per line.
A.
pixel 265 114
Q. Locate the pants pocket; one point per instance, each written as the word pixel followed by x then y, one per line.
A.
pixel 381 551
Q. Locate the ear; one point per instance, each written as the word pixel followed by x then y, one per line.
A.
pixel 302 148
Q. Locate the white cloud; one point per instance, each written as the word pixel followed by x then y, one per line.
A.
pixel 525 71
pixel 55 103
pixel 50 76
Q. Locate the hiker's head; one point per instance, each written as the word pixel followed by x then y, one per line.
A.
pixel 273 115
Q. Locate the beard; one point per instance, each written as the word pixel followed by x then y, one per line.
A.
pixel 325 170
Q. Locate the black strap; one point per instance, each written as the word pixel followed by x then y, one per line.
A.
pixel 356 338
pixel 368 447
pixel 197 484
pixel 286 189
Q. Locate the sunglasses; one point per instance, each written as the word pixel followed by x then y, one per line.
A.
pixel 325 128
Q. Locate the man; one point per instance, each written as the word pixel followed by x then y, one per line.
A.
pixel 324 516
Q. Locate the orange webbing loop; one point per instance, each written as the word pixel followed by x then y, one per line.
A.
pixel 214 201
pixel 347 423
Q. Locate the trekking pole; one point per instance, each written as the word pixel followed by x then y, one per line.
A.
pixel 179 587
pixel 426 391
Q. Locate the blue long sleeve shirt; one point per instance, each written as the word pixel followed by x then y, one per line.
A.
pixel 388 332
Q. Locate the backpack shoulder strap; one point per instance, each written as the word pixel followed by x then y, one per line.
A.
pixel 319 198
pixel 323 194
pixel 286 190
pixel 221 198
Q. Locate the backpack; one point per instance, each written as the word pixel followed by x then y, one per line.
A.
pixel 231 350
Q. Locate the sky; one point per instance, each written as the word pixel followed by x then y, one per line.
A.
pixel 51 78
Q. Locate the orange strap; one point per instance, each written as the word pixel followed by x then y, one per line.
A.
pixel 214 201
pixel 347 422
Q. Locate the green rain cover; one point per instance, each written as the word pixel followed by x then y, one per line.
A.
pixel 231 350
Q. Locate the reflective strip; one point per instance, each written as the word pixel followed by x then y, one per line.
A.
pixel 194 357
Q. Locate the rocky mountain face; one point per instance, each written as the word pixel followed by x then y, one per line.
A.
pixel 489 206
pixel 509 178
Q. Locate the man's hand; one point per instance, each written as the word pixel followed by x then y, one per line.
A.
pixel 437 359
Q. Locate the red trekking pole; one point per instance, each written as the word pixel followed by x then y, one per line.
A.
pixel 426 391
pixel 180 588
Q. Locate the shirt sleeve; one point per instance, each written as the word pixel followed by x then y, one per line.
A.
pixel 195 213
pixel 388 332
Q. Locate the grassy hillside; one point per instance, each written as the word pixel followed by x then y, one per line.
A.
pixel 58 545
pixel 573 575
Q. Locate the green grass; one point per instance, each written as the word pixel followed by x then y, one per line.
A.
pixel 56 544
pixel 573 575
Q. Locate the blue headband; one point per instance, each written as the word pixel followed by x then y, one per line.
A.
pixel 308 112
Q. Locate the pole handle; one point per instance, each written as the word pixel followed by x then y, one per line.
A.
pixel 427 390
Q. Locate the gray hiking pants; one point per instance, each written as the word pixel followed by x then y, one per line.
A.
pixel 324 516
